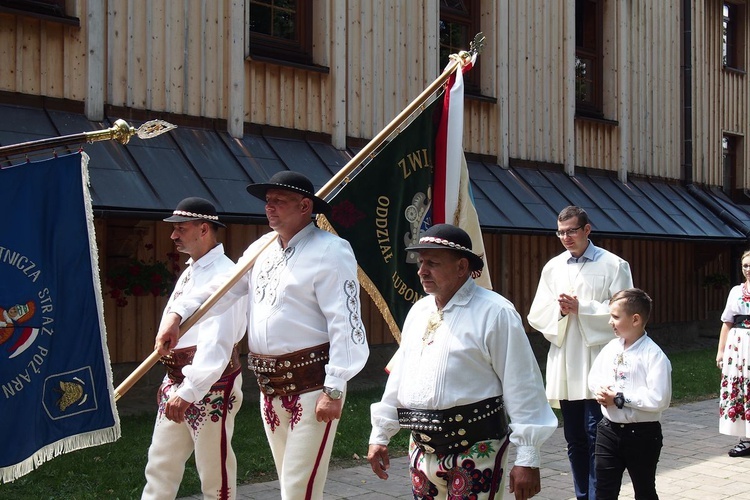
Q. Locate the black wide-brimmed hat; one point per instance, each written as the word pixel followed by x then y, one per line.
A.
pixel 194 208
pixel 449 237
pixel 291 181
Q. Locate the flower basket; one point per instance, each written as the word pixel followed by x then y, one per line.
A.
pixel 138 278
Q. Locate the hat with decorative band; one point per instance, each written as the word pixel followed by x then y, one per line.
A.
pixel 194 208
pixel 449 237
pixel 291 181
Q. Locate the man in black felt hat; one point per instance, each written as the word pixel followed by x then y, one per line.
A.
pixel 202 391
pixel 463 370
pixel 305 333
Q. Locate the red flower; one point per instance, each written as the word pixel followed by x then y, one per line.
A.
pixel 140 277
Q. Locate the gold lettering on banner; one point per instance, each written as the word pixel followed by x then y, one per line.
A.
pixel 407 293
pixel 413 162
pixel 381 225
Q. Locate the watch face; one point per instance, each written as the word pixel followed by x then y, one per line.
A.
pixel 333 393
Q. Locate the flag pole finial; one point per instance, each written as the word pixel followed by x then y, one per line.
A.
pixel 477 45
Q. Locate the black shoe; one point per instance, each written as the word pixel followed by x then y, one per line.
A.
pixel 740 449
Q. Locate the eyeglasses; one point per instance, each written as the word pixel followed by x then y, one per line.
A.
pixel 569 232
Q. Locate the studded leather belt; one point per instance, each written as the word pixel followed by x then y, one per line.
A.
pixel 456 429
pixel 180 358
pixel 295 373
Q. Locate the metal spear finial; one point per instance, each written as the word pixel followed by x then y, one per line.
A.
pixel 477 45
pixel 120 131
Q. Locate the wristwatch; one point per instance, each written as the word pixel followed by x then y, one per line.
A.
pixel 619 400
pixel 332 393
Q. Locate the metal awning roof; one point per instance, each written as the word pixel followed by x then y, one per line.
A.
pixel 147 178
pixel 527 200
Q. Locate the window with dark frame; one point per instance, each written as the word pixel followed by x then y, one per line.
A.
pixel 588 60
pixel 730 170
pixel 281 29
pixel 459 23
pixel 733 34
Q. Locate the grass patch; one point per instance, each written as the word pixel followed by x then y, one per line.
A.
pixel 694 376
pixel 115 471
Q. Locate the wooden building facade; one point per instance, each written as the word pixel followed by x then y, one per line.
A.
pixel 625 89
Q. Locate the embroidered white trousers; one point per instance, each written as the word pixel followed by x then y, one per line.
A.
pixel 301 446
pixel 477 473
pixel 207 430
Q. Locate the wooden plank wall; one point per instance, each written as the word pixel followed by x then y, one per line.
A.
pixel 174 57
pixel 287 97
pixel 43 58
pixel 168 56
pixel 671 272
pixel 536 63
pixel 654 79
pixel 720 97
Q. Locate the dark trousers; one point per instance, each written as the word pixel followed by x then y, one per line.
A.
pixel 635 447
pixel 579 425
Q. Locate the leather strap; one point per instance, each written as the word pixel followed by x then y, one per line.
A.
pixel 294 373
pixel 178 359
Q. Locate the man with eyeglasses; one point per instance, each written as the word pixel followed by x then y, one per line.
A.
pixel 571 310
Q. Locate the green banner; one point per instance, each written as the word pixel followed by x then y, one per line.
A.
pixel 382 210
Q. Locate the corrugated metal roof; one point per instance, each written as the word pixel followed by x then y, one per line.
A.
pixel 149 177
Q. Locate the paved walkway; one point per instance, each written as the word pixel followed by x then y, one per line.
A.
pixel 694 465
pixel 694 462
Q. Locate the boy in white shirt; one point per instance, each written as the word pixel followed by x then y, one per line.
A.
pixel 632 380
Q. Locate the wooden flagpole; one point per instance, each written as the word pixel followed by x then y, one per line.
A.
pixel 347 169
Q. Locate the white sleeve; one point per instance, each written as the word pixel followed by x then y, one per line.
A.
pixel 532 421
pixel 337 294
pixel 217 336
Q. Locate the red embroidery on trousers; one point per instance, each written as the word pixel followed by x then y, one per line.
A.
pixel 293 406
pixel 269 414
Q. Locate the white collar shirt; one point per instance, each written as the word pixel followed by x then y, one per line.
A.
pixel 641 372
pixel 214 336
pixel 300 296
pixel 479 351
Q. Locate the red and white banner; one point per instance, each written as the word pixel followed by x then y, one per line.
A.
pixel 453 202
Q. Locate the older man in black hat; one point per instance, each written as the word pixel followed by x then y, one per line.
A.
pixel 464 381
pixel 305 333
pixel 202 392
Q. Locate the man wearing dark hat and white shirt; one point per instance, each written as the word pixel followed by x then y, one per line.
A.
pixel 202 391
pixel 305 333
pixel 464 381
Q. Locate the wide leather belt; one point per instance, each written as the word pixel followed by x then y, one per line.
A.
pixel 295 373
pixel 180 358
pixel 456 429
pixel 742 321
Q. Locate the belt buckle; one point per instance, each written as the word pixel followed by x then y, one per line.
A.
pixel 267 389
